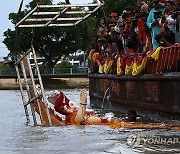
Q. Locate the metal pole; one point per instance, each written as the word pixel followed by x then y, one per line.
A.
pixel 71 71
pixel 34 88
pixel 28 92
pixel 22 94
pixel 41 85
pixel 84 58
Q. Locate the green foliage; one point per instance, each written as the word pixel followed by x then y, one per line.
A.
pixel 64 64
pixel 4 67
pixel 118 5
pixel 65 67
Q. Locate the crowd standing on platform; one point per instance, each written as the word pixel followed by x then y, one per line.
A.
pixel 123 42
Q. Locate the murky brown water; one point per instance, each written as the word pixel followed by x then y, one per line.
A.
pixel 17 138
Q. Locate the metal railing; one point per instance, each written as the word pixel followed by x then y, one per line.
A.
pixel 48 71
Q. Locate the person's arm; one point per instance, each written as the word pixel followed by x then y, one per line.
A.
pixel 170 20
pixel 164 41
pixel 150 19
pixel 82 108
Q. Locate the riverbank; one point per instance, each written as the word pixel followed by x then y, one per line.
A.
pixel 49 83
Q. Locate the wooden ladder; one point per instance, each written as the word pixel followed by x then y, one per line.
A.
pixel 24 68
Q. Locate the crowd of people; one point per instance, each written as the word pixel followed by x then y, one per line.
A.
pixel 122 41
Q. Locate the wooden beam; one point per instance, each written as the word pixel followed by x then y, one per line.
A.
pixel 31 12
pixel 61 12
pixel 69 5
pixel 43 25
pixel 56 13
pixel 49 19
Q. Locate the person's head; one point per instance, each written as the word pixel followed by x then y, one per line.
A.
pixel 165 33
pixel 162 30
pixel 104 33
pixel 162 1
pixel 112 28
pixel 169 5
pixel 125 17
pixel 176 2
pixel 99 42
pixel 129 9
pixel 156 4
pixel 144 8
pixel 140 3
pixel 131 115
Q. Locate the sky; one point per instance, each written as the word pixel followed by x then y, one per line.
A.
pixel 8 6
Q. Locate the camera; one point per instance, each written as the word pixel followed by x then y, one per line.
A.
pixel 157 15
pixel 158 37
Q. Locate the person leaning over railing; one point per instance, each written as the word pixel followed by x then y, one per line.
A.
pixel 176 16
pixel 166 37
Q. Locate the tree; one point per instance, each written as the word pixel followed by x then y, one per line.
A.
pixel 51 42
pixel 118 5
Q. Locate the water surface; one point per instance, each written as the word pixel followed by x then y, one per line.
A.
pixel 18 138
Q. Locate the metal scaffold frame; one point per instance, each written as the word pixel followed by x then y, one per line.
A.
pixel 65 15
pixel 23 66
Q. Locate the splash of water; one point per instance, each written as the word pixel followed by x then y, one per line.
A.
pixel 107 96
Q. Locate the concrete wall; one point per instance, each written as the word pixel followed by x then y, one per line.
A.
pixel 49 83
pixel 8 84
pixel 149 94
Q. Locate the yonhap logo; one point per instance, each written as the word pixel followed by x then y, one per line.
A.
pixel 133 140
pixel 137 140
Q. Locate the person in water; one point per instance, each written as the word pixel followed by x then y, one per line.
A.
pixel 131 116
